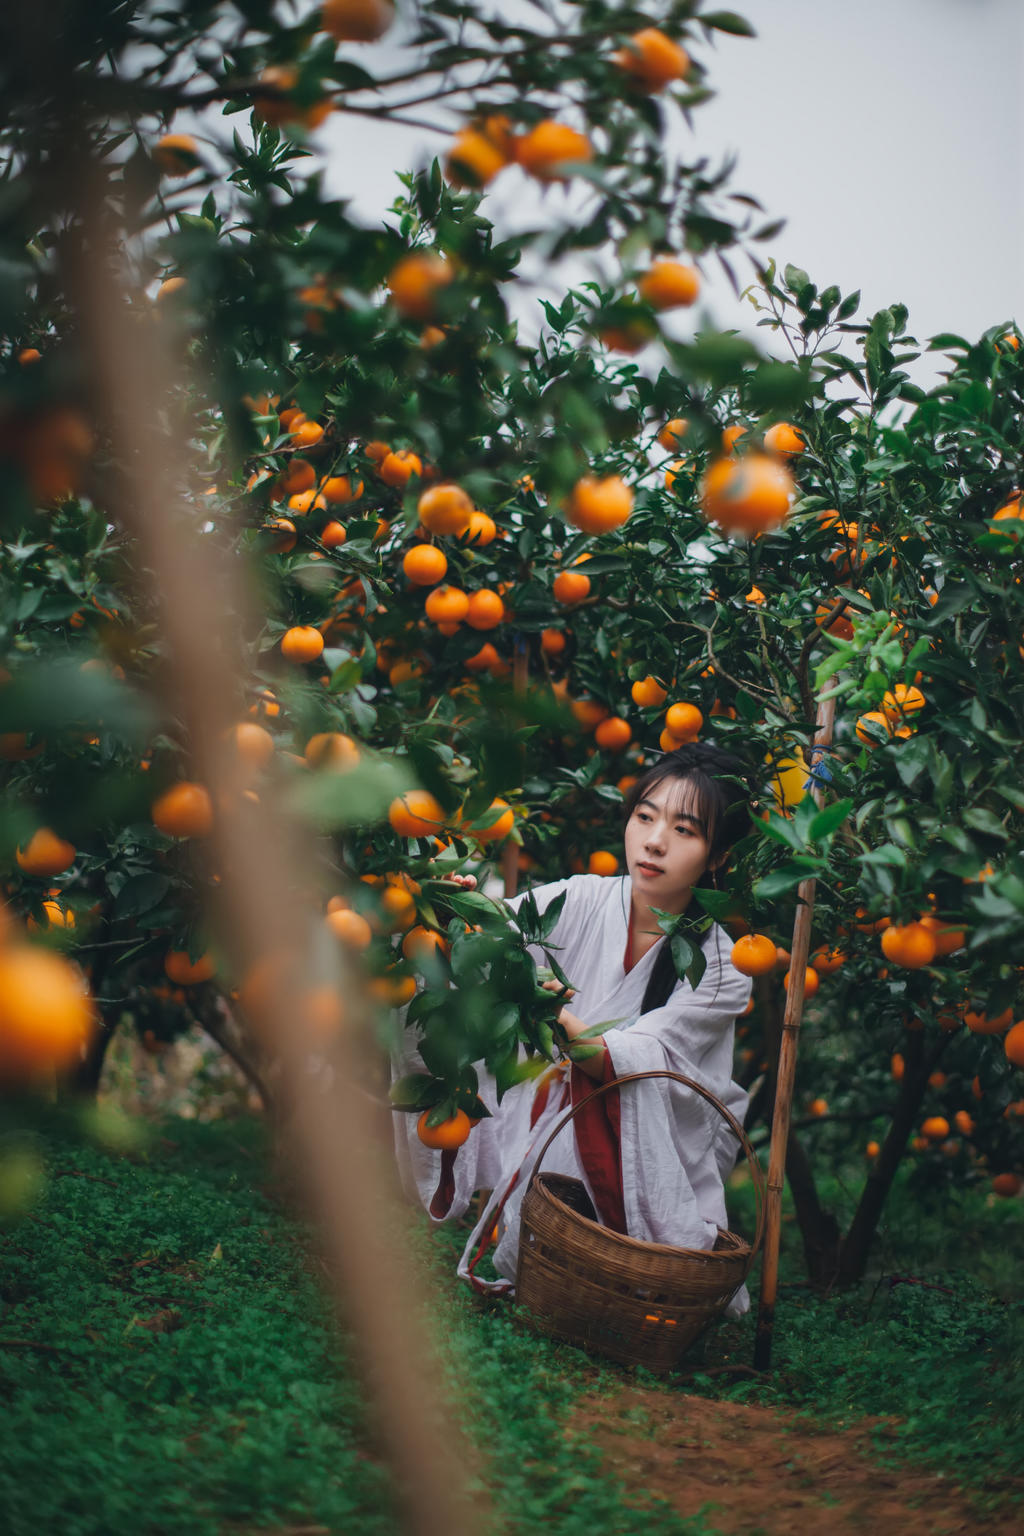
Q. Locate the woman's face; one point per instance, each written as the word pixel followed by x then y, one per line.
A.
pixel 667 849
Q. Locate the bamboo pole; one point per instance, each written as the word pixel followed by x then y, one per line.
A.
pixel 510 852
pixel 333 1127
pixel 791 1021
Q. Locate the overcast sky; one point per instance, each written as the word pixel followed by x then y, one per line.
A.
pixel 887 132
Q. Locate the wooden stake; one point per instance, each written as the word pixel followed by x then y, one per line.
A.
pixel 510 852
pixel 791 1020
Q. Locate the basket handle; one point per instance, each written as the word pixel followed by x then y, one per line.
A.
pixel 756 1172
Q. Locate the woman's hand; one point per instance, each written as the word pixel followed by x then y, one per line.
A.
pixel 464 882
pixel 593 1064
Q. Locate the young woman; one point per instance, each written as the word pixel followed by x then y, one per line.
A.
pixel 652 1155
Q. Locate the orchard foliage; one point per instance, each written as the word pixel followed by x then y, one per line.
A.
pixel 349 398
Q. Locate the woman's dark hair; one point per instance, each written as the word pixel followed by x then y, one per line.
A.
pixel 720 785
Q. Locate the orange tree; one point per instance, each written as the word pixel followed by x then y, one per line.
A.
pixel 494 579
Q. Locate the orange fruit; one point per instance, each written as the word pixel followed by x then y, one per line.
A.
pixel 754 954
pixel 601 862
pixel 333 535
pixel 306 434
pixel 399 467
pixel 447 605
pixel 669 284
pixel 422 943
pixel 827 961
pixel 1010 512
pixel 947 936
pixel 897 1067
pixel 415 814
pixel 818 1108
pixel 350 927
pixel 252 745
pixel 338 490
pixel 755 596
pixel 903 700
pixel 648 693
pixel 377 451
pixel 302 643
pixel 550 148
pixel 683 721
pixel 963 1122
pixel 447 1136
pixel 935 1128
pixel 393 991
pixel 356 21
pixel 186 972
pixel 872 726
pixel 731 436
pixel 482 530
pixel 332 750
pixel 570 587
pixel 278 110
pixel 284 534
pixel 46 1016
pixel 445 508
pixel 553 641
pixel 56 917
pixel 748 495
pixel 305 501
pixel 184 810
pixel 299 476
pixel 652 59
pixel 176 154
pixel 1013 1045
pixel 169 287
pixel 812 981
pixel 672 433
pixel 45 854
pixel 598 506
pixel 980 1024
pixel 872 1150
pixel 784 439
pixel 29 355
pixel 1007 1185
pixel 589 713
pixel 425 564
pixel 486 609
pixel 909 944
pixel 613 734
pixel 474 159
pixel 415 282
pixel 840 626
pixel 494 824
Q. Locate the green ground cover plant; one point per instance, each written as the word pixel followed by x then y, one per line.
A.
pixel 168 1362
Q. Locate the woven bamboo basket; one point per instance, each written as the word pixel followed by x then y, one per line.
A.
pixel 636 1302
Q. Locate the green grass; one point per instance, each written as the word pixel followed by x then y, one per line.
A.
pixel 244 1416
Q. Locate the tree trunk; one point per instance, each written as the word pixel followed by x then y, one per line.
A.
pixel 210 1010
pixel 918 1067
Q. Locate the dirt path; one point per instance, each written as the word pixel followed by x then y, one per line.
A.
pixel 766 1472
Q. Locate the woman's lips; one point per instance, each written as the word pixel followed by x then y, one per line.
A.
pixel 651 869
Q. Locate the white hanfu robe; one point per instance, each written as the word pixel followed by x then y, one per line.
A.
pixel 675 1149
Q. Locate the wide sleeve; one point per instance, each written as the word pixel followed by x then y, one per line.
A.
pixel 676 1147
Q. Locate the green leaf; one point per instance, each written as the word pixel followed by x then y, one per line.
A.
pixel 688 958
pixel 417 1091
pixel 828 820
pixel 727 21
pixel 783 879
pixel 141 893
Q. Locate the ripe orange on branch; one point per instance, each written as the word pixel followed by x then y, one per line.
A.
pixel 398 468
pixel 356 21
pixel 652 59
pixel 177 154
pixel 486 609
pixel 601 862
pixel 186 972
pixel 549 149
pixel 754 954
pixel 1013 1045
pixel 416 281
pixel 748 495
pixel 45 854
pixel 812 981
pixel 669 284
pixel 909 944
pixel 425 564
pixel 445 508
pixel 184 810
pixel 673 432
pixel 474 159
pixel 570 587
pixel 46 1017
pixel 648 693
pixel 784 439
pixel 599 505
pixel 684 722
pixel 494 824
pixel 350 927
pixel 302 643
pixel 447 1136
pixel 447 605
pixel 416 814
